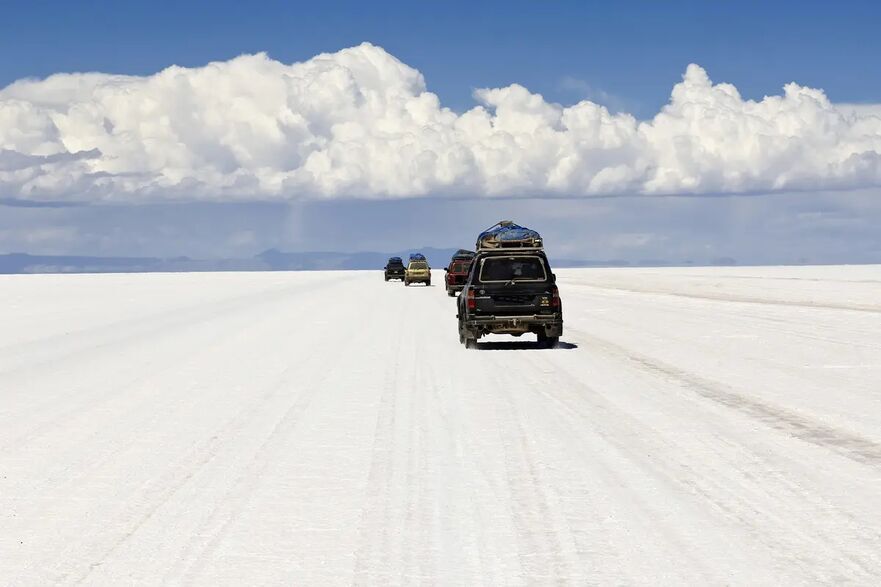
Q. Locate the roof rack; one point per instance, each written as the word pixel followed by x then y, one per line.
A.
pixel 513 250
pixel 506 235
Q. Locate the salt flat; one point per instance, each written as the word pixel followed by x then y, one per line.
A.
pixel 702 426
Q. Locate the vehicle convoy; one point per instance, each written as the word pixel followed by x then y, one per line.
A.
pixel 394 269
pixel 457 271
pixel 417 270
pixel 510 288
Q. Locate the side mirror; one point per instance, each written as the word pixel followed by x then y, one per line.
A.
pixel 446 268
pixel 553 278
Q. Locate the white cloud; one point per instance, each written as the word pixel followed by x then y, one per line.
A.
pixel 359 123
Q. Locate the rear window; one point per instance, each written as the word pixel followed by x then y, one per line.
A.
pixel 459 268
pixel 512 269
pixel 418 265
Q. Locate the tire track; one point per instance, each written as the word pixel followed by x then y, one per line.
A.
pixel 842 442
pixel 740 299
pixel 109 336
pixel 373 549
pixel 87 400
pixel 541 552
pixel 616 429
pixel 728 499
pixel 162 489
pixel 237 497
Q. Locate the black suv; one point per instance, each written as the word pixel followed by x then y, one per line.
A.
pixel 394 269
pixel 510 291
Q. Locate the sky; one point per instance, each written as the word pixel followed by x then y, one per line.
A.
pixel 631 130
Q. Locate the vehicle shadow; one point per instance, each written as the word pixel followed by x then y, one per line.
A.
pixel 523 345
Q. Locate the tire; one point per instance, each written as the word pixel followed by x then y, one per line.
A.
pixel 470 343
pixel 406 282
pixel 451 293
pixel 547 342
pixel 427 284
pixel 386 277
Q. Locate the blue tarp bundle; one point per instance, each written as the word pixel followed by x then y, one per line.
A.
pixel 507 234
pixel 463 254
pixel 417 257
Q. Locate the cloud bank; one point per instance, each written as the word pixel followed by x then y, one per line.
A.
pixel 360 123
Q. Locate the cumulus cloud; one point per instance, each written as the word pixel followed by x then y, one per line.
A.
pixel 360 123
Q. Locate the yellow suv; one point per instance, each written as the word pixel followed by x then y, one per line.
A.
pixel 417 271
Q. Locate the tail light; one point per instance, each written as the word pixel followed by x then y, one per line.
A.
pixel 555 297
pixel 472 303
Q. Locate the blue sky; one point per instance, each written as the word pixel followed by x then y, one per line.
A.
pixel 626 56
pixel 630 50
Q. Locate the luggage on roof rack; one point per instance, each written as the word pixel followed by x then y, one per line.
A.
pixel 417 257
pixel 507 235
pixel 463 255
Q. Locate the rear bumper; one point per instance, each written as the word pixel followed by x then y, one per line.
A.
pixel 550 324
pixel 456 282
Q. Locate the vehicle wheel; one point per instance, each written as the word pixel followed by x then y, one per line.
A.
pixel 547 342
pixel 386 277
pixel 406 282
pixel 451 293
pixel 427 284
pixel 464 338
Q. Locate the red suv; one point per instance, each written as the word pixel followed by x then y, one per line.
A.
pixel 457 271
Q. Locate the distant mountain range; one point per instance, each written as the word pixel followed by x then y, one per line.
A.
pixel 270 260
